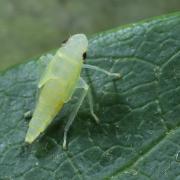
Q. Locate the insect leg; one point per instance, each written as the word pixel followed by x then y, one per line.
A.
pixel 74 112
pixel 90 101
pixel 87 66
pixel 83 84
pixel 28 115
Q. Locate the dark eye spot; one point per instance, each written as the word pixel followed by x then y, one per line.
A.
pixel 84 55
pixel 63 42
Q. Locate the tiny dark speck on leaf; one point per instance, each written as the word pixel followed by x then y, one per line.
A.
pixel 178 156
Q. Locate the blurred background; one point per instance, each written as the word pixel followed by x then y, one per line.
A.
pixel 29 28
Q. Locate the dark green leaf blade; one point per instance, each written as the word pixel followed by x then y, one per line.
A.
pixel 138 137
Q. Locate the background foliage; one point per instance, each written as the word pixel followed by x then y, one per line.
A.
pixel 29 28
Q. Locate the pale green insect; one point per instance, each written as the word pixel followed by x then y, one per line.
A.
pixel 59 81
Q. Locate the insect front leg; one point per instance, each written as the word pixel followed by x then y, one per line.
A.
pixel 87 66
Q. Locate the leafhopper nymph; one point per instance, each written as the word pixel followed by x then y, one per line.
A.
pixel 57 84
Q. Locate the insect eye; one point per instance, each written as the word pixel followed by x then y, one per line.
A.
pixel 63 42
pixel 84 55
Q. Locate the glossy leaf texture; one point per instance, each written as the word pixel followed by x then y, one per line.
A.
pixel 138 137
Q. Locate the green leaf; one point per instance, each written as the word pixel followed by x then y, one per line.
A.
pixel 138 137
